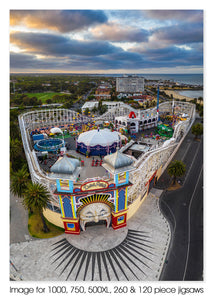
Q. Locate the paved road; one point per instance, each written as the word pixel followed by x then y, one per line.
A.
pixel 18 221
pixel 184 209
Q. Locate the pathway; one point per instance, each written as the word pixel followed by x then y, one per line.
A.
pixel 136 252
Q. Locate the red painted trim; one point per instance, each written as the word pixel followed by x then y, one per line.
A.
pixel 72 232
pixel 76 229
pixel 118 226
pixel 115 224
pixel 151 177
pixel 151 180
pixel 78 193
pixel 132 114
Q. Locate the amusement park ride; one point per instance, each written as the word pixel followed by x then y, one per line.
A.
pixel 114 198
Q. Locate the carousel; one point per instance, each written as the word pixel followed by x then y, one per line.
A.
pixel 98 142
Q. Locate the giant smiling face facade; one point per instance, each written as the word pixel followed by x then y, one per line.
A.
pixel 95 212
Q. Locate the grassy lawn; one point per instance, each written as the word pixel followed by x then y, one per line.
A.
pixel 35 226
pixel 59 136
pixel 43 96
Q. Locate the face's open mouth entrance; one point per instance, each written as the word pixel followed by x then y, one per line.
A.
pixel 96 213
pixel 92 223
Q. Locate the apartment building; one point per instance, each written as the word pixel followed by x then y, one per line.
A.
pixel 130 84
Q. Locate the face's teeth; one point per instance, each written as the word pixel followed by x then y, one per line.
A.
pixel 108 219
pixel 96 219
pixel 82 223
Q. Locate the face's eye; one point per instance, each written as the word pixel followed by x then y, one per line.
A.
pixel 89 215
pixel 102 212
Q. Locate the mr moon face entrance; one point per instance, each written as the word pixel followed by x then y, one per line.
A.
pixel 95 210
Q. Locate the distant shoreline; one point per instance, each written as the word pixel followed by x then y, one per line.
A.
pixel 176 95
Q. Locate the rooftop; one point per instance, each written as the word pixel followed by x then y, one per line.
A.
pixel 118 162
pixel 65 166
pixel 103 137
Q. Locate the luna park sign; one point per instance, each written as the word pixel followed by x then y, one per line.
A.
pixel 94 185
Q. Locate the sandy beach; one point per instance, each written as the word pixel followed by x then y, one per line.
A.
pixel 176 95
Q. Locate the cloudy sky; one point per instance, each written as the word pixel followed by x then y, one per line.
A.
pixel 106 41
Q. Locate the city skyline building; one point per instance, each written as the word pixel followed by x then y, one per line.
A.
pixel 130 84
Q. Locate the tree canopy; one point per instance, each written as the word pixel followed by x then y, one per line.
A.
pixel 36 198
pixel 19 181
pixel 176 169
pixel 197 129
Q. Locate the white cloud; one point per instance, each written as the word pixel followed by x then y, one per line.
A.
pixel 185 47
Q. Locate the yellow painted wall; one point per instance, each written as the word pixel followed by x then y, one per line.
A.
pixel 132 208
pixel 159 172
pixel 53 217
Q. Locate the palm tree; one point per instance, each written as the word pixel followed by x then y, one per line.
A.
pixel 176 169
pixel 19 181
pixel 36 198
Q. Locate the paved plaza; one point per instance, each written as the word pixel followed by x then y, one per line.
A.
pixel 135 252
pixel 88 170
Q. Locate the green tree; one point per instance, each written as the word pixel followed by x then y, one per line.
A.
pixel 86 112
pixel 103 109
pixel 176 169
pixel 15 149
pixel 197 129
pixel 14 130
pixel 14 115
pixel 36 198
pixel 19 181
pixel 49 101
pixel 94 110
pixel 67 104
pixel 201 111
pixel 91 97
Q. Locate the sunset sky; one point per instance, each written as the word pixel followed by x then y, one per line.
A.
pixel 106 41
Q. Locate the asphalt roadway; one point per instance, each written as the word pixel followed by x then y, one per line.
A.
pixel 183 208
pixel 18 221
